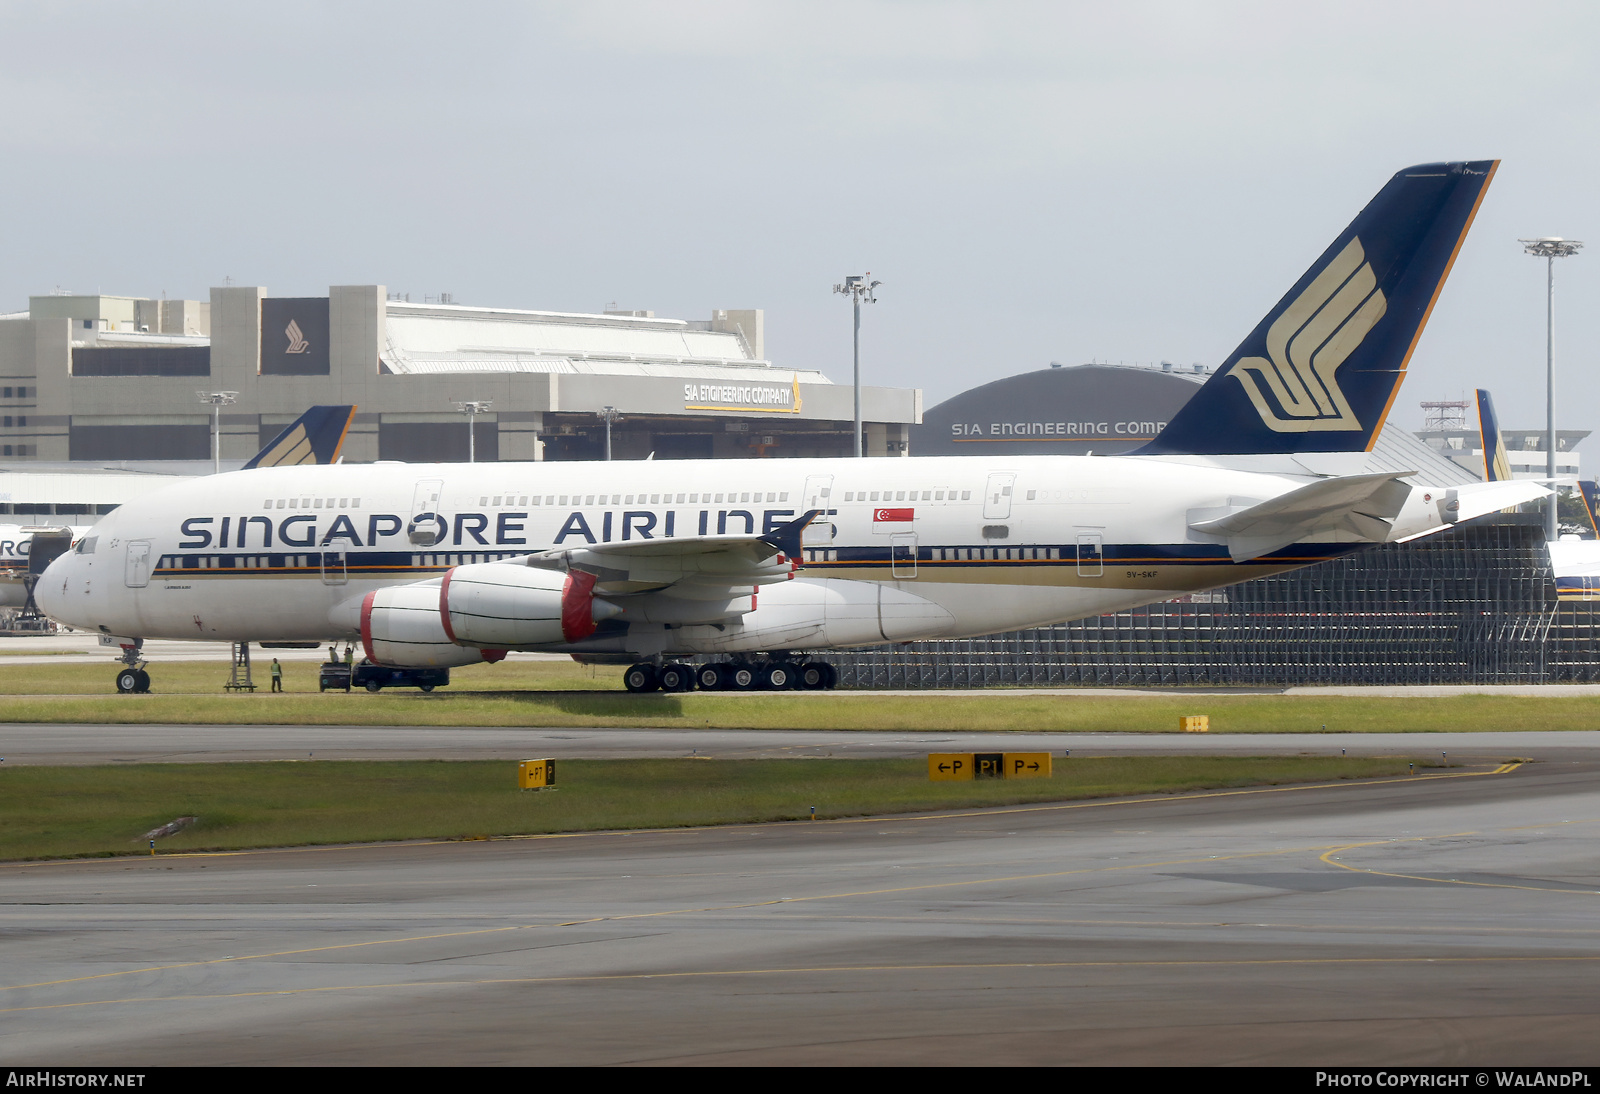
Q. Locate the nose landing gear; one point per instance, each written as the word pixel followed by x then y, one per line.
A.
pixel 133 680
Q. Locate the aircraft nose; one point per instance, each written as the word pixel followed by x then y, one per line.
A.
pixel 51 591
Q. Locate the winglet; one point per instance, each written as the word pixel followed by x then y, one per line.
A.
pixel 786 537
pixel 1496 467
pixel 314 437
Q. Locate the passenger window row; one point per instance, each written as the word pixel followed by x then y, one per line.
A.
pixel 907 495
pixel 489 501
pixel 311 503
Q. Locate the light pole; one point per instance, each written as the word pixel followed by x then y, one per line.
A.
pixel 1550 248
pixel 608 414
pixel 217 400
pixel 472 410
pixel 858 288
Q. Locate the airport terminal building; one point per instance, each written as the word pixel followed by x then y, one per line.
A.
pixel 113 380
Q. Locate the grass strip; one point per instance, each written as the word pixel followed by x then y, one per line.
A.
pixel 56 812
pixel 1065 712
pixel 564 694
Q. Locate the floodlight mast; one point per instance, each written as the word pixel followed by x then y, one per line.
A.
pixel 609 414
pixel 472 409
pixel 1550 248
pixel 858 288
pixel 217 400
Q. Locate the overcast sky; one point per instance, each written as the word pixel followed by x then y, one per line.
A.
pixel 1031 182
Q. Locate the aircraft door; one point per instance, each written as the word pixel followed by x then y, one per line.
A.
pixel 426 526
pixel 136 574
pixel 903 555
pixel 997 495
pixel 334 570
pixel 1091 554
pixel 818 494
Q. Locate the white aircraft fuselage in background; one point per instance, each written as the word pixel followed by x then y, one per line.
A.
pixel 16 541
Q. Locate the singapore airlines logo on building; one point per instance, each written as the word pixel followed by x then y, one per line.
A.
pixel 297 341
pixel 1296 391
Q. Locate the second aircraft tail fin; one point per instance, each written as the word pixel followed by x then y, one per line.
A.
pixel 1496 466
pixel 1586 489
pixel 314 437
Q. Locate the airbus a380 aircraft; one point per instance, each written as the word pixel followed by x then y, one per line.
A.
pixel 663 563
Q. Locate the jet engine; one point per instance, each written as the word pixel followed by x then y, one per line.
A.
pixel 513 606
pixel 400 626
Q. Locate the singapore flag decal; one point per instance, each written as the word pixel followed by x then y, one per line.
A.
pixel 881 515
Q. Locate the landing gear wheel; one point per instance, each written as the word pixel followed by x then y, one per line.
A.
pixel 741 677
pixel 815 675
pixel 676 678
pixel 831 675
pixel 127 681
pixel 641 677
pixel 779 676
pixel 710 677
pixel 144 681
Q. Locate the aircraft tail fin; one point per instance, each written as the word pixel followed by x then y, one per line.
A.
pixel 1496 466
pixel 314 437
pixel 1320 371
pixel 1586 488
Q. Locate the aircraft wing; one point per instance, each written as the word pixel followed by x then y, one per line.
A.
pixel 685 579
pixel 1359 505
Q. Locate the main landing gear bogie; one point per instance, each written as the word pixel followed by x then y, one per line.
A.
pixel 773 675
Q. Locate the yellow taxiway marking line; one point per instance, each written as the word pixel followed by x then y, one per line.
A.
pixel 1329 860
pixel 812 970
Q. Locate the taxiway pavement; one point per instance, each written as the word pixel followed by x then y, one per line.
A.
pixel 48 743
pixel 1441 920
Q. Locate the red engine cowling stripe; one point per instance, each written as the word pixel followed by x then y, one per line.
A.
pixel 366 626
pixel 577 606
pixel 444 605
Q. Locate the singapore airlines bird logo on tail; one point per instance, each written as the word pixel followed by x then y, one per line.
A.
pixel 297 341
pixel 1296 391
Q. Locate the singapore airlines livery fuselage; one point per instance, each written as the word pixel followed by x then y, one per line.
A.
pixel 431 565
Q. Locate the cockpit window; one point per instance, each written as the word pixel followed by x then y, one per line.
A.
pixel 86 545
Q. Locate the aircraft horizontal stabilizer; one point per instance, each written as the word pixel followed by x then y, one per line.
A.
pixel 1481 498
pixel 1363 506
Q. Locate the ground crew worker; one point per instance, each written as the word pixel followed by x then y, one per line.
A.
pixel 277 675
pixel 349 655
